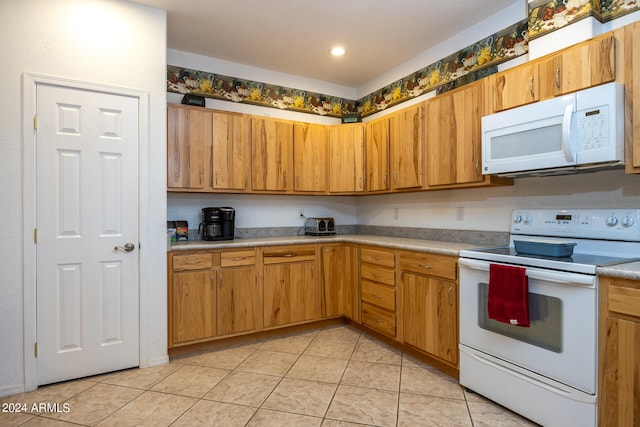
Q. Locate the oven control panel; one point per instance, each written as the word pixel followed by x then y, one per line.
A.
pixel 603 223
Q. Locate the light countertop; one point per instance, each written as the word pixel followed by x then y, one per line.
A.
pixel 629 270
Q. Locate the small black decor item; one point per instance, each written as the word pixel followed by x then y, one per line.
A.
pixel 194 100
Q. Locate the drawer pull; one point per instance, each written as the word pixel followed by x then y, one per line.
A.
pixel 376 296
pixel 289 255
pixel 239 258
pixel 376 258
pixel 376 275
pixel 428 267
pixel 193 262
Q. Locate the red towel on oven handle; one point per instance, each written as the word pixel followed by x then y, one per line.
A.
pixel 508 295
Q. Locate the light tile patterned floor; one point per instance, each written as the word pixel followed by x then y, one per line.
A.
pixel 331 377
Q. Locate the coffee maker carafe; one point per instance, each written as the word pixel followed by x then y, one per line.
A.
pixel 217 223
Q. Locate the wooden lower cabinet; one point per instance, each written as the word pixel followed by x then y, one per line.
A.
pixel 236 300
pixel 430 316
pixel 619 344
pixel 338 281
pixel 290 286
pixel 193 306
pixel 209 298
pixel 430 304
pixel 378 290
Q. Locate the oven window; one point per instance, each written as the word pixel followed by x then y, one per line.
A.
pixel 545 314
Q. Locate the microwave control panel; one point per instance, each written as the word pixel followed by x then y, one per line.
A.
pixel 593 128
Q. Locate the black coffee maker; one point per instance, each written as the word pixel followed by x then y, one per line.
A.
pixel 217 223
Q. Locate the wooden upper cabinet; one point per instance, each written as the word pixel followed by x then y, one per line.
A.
pixel 188 147
pixel 310 157
pixel 271 154
pixel 230 154
pixel 406 138
pixel 587 64
pixel 453 149
pixel 346 158
pixel 631 66
pixel 377 155
pixel 512 88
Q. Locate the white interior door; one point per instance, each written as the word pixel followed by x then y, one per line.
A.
pixel 87 211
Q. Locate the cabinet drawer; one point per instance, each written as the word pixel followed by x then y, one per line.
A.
pixel 624 300
pixel 430 264
pixel 197 261
pixel 380 295
pixel 373 256
pixel 289 254
pixel 237 258
pixel 379 319
pixel 378 274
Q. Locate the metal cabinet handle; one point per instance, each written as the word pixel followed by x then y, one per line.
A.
pixel 428 267
pixel 558 78
pixel 239 258
pixel 533 95
pixel 376 296
pixel 449 293
pixel 128 247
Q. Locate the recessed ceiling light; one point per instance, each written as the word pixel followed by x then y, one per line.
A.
pixel 338 51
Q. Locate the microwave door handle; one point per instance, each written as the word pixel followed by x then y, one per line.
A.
pixel 566 134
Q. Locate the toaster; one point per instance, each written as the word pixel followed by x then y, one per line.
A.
pixel 319 227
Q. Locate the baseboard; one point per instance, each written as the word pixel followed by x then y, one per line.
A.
pixel 11 390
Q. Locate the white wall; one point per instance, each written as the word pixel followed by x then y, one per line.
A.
pixel 489 208
pixel 115 43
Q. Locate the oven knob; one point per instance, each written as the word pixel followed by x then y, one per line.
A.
pixel 517 219
pixel 612 221
pixel 627 221
pixel 528 219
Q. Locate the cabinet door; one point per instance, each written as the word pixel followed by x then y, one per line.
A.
pixel 588 64
pixel 237 296
pixel 454 138
pixel 271 154
pixel 333 284
pixel 310 157
pixel 632 97
pixel 193 306
pixel 377 155
pixel 291 293
pixel 230 154
pixel 430 316
pixel 346 158
pixel 188 147
pixel 514 87
pixel 406 138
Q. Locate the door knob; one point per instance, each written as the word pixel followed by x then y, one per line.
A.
pixel 128 247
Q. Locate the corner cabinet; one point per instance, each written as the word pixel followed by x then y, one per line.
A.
pixel 310 158
pixel 376 137
pixel 619 342
pixel 346 158
pixel 339 281
pixel 430 304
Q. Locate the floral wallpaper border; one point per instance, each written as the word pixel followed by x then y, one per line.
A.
pixel 546 16
pixel 465 66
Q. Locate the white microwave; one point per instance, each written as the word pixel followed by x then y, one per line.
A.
pixel 577 132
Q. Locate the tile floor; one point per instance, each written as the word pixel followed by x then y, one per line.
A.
pixel 335 376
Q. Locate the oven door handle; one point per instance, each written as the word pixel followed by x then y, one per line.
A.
pixel 537 274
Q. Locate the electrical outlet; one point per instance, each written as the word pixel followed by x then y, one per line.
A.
pixel 301 213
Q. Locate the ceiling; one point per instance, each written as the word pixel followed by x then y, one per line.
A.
pixel 295 36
